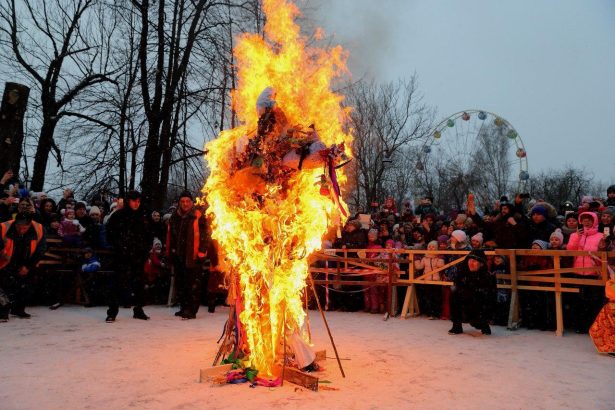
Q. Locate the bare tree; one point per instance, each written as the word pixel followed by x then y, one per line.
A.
pixel 52 42
pixel 385 119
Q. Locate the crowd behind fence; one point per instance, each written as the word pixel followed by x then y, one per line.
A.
pixel 548 261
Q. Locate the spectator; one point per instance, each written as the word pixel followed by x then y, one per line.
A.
pixel 502 306
pixel 425 207
pixel 68 196
pixel 93 283
pixel 129 233
pixel 70 230
pixel 372 294
pixel 538 227
pixel 571 225
pixel 187 245
pixel 610 196
pixel 81 214
pixel 590 297
pixel 477 241
pixel 556 240
pixel 22 245
pixel 353 237
pixel 158 226
pixel 47 209
pixel 95 234
pixel 472 294
pixel 430 295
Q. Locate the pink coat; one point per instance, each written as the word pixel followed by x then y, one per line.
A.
pixel 587 240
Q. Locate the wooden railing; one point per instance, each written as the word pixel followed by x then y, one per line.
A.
pixel 339 269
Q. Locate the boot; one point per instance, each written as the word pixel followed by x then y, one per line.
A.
pixel 486 330
pixel 138 313
pixel 21 314
pixel 456 329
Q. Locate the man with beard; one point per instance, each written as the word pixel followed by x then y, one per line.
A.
pixel 129 233
pixel 187 248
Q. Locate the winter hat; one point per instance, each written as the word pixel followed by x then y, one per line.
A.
pixel 372 232
pixel 540 210
pixel 166 217
pixel 156 242
pixel 133 195
pixel 543 245
pixel 558 234
pixel 88 250
pixel 95 210
pixel 459 235
pixel 23 218
pixel 186 194
pixel 586 199
pixel 572 215
pixel 461 218
pixel 478 237
pixel 433 244
pixel 610 210
pixel 610 189
pixel 80 205
pixel 443 239
pixel 477 254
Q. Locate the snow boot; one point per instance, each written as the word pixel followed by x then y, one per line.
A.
pixel 138 313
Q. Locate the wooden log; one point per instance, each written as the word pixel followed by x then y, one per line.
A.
pixel 208 374
pixel 302 379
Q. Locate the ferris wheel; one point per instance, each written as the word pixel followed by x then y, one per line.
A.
pixel 478 151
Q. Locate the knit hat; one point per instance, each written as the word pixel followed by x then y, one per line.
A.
pixel 478 237
pixel 540 210
pixel 609 210
pixel 94 210
pixel 88 250
pixel 23 218
pixel 156 242
pixel 433 243
pixel 586 199
pixel 133 195
pixel 477 254
pixel 443 239
pixel 543 245
pixel 572 215
pixel 558 234
pixel 461 218
pixel 186 194
pixel 459 235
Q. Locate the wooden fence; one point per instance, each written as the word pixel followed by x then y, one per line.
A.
pixel 334 267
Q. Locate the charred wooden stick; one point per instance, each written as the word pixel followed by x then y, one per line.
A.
pixel 322 314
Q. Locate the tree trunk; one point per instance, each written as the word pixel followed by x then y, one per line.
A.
pixel 14 103
pixel 45 143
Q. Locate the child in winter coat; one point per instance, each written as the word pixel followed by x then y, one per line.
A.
pixel 70 230
pixel 373 295
pixel 430 295
pixel 154 270
pixel 499 266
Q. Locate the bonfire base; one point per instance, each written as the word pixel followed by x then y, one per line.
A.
pixel 302 379
pixel 211 373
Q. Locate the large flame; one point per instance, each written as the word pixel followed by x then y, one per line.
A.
pixel 267 242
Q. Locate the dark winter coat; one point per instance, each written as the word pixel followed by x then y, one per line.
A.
pixel 184 241
pixel 129 233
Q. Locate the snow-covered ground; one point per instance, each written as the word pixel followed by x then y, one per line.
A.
pixel 71 359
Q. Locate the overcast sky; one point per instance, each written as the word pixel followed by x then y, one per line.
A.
pixel 547 66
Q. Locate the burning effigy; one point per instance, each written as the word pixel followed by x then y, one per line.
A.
pixel 275 186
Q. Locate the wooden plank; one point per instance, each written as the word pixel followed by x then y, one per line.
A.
pixel 302 379
pixel 208 374
pixel 541 288
pixel 513 310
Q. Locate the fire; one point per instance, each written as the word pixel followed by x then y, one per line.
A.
pixel 266 229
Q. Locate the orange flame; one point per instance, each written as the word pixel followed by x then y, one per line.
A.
pixel 267 243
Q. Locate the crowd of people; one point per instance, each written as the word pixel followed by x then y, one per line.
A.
pixel 146 244
pixel 519 223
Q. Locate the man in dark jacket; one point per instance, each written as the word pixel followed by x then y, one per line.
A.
pixel 187 248
pixel 538 227
pixel 22 245
pixel 129 233
pixel 473 294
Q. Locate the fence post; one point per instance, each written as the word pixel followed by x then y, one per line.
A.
pixel 559 331
pixel 410 288
pixel 513 313
pixel 390 286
